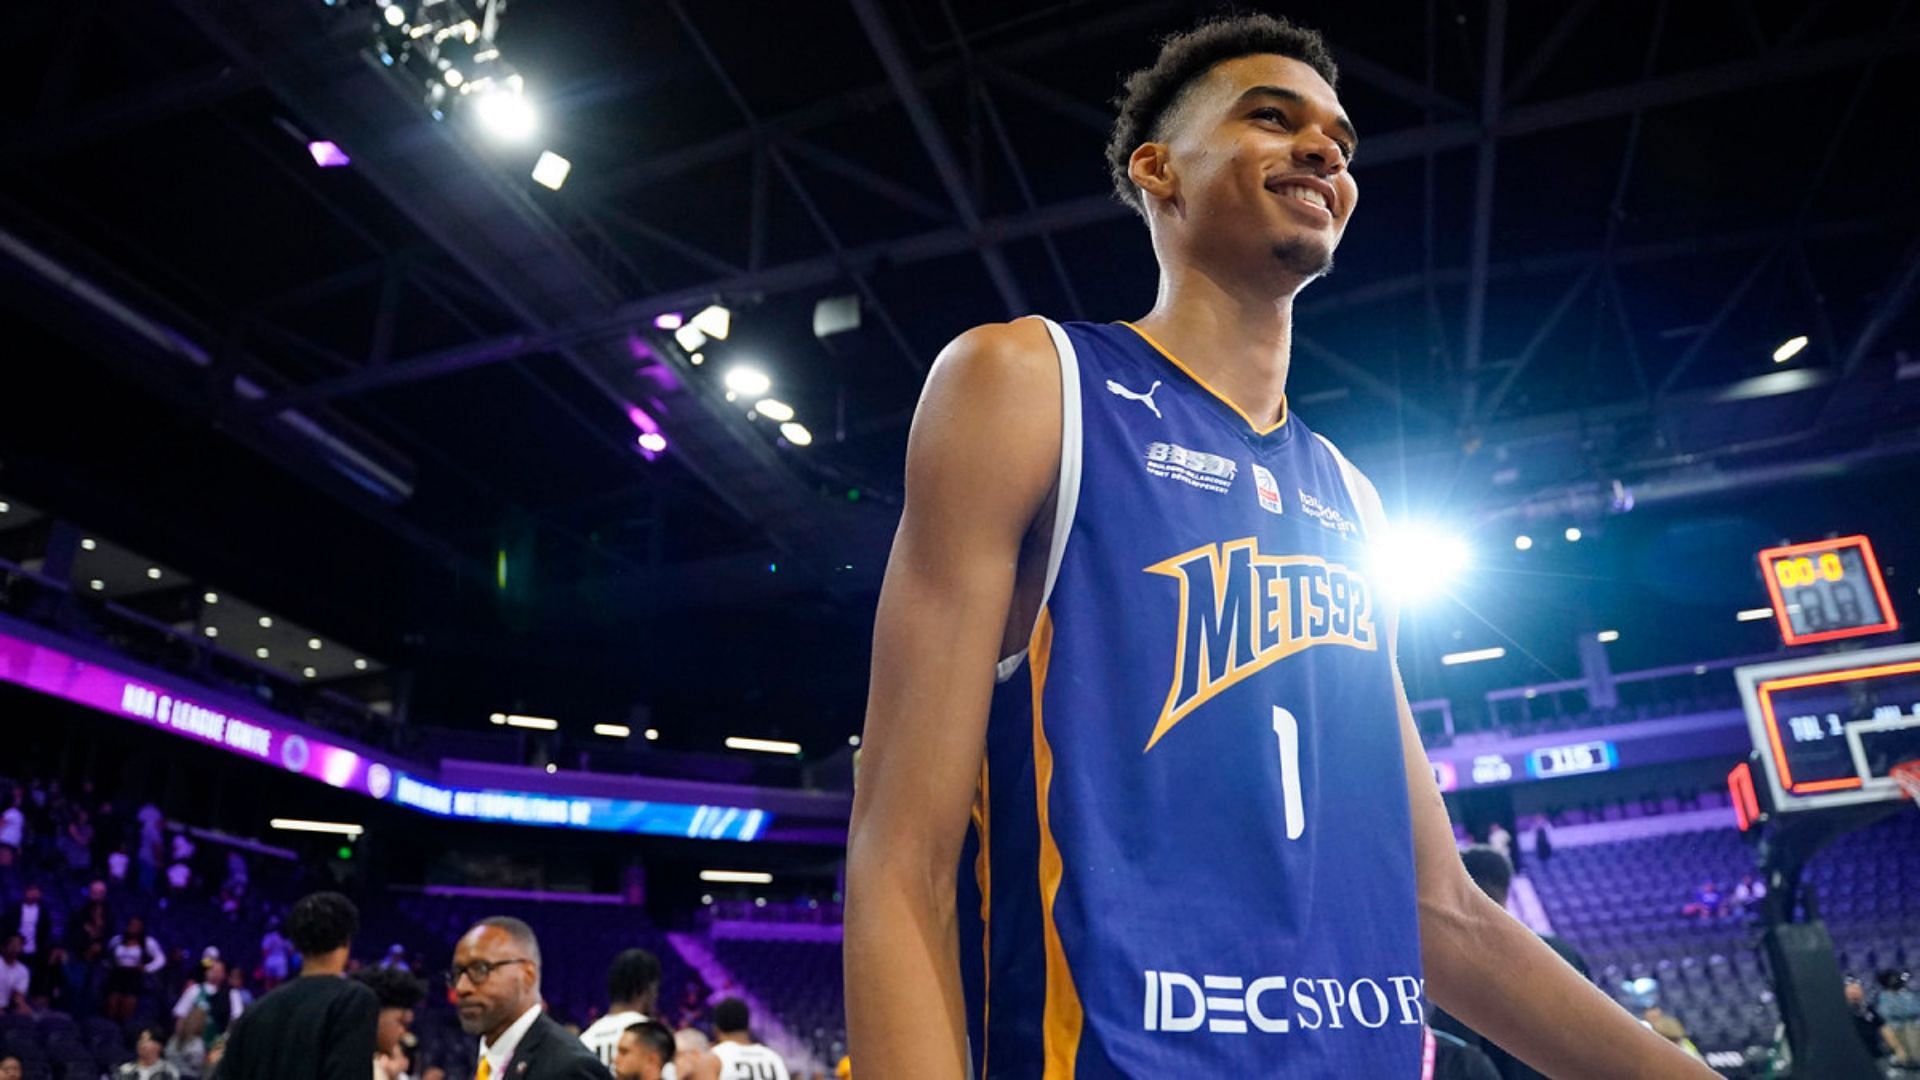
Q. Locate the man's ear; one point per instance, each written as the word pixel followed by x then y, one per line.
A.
pixel 1151 169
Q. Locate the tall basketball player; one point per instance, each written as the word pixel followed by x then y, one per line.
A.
pixel 1141 794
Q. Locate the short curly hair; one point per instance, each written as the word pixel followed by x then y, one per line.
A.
pixel 322 922
pixel 1152 94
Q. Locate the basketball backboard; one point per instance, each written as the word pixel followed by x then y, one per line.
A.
pixel 1829 729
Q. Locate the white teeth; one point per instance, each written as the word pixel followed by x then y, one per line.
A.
pixel 1304 194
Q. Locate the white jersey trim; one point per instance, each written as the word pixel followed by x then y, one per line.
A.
pixel 1366 500
pixel 1067 499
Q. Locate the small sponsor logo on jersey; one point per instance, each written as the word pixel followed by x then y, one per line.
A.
pixel 1145 398
pixel 1326 515
pixel 1195 468
pixel 1240 612
pixel 1277 1004
pixel 1268 490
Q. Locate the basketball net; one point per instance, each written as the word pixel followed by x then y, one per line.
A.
pixel 1907 775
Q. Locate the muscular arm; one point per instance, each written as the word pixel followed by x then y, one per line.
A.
pixel 1488 969
pixel 980 464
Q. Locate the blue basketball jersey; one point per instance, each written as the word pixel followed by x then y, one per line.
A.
pixel 1191 851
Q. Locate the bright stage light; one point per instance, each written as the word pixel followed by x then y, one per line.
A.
pixel 360 665
pixel 1789 348
pixel 213 631
pixel 653 442
pixel 1416 561
pixel 690 338
pixel 262 652
pixel 335 828
pixel 1573 534
pixel 737 877
pixel 797 434
pixel 551 170
pixel 507 114
pixel 747 381
pixel 395 16
pixel 1523 542
pixel 309 672
pixel 1608 637
pixel 612 731
pixel 1473 656
pixel 778 411
pixel 653 734
pixel 1754 614
pixel 266 622
pixel 313 643
pixel 713 321
pixel 97 585
pixel 535 723
pixel 765 746
pixel 87 543
pixel 211 598
pixel 671 320
pixel 153 573
pixel 328 155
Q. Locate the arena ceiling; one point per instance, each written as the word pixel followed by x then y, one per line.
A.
pixel 394 399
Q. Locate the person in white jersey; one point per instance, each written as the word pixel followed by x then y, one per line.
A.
pixel 633 993
pixel 740 1057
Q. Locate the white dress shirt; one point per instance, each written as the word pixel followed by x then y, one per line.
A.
pixel 501 1052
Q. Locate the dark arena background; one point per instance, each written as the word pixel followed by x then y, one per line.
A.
pixel 450 449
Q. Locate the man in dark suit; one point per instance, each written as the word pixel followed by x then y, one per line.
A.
pixel 496 985
pixel 34 923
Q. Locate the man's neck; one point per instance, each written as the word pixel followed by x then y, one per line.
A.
pixel 513 1017
pixel 1239 341
pixel 327 963
pixel 644 1008
pixel 740 1037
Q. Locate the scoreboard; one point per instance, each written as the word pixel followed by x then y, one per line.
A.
pixel 1831 728
pixel 1827 590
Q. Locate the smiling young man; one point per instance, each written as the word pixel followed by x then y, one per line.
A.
pixel 1128 633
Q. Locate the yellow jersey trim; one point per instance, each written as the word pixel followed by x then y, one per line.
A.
pixel 1208 387
pixel 1062 1016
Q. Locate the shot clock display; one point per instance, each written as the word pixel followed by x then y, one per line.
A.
pixel 1827 590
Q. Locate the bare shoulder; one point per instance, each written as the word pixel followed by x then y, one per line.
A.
pixel 987 430
pixel 1003 364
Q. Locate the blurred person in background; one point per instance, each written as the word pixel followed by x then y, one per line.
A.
pixel 16 980
pixel 645 1052
pixel 633 995
pixel 741 1058
pixel 147 1064
pixel 1900 1008
pixel 320 1026
pixel 187 1049
pixel 213 994
pixel 400 992
pixel 693 1055
pixel 34 923
pixel 133 958
pixel 10 1068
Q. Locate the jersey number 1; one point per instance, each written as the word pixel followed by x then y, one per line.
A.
pixel 1287 730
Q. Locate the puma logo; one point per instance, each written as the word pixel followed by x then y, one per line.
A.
pixel 1144 399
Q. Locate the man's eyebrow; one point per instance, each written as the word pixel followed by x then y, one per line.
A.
pixel 1296 98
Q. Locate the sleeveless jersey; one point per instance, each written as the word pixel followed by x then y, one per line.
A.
pixel 754 1062
pixel 1191 851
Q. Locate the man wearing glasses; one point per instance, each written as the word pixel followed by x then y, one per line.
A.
pixel 495 980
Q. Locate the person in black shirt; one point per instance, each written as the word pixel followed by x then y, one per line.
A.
pixel 320 1026
pixel 1494 874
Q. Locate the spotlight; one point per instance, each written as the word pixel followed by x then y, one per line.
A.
pixel 87 543
pixel 328 155
pixel 1419 560
pixel 1607 637
pixel 213 631
pixel 313 643
pixel 697 359
pixel 1753 614
pixel 653 734
pixel 749 382
pixel 796 433
pixel 670 320
pixel 395 16
pixel 453 77
pixel 266 622
pixel 612 731
pixel 653 442
pixel 853 740
pixel 1472 656
pixel 778 411
pixel 308 672
pixel 551 170
pixel 4 508
pixel 1573 534
pixel 153 573
pixel 262 652
pixel 360 665
pixel 690 337
pixel 552 768
pixel 1789 348
pixel 97 585
pixel 212 598
pixel 713 321
pixel 507 114
pixel 1523 542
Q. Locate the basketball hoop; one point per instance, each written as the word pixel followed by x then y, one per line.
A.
pixel 1907 775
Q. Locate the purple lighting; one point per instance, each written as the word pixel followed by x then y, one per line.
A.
pixel 669 321
pixel 653 441
pixel 328 155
